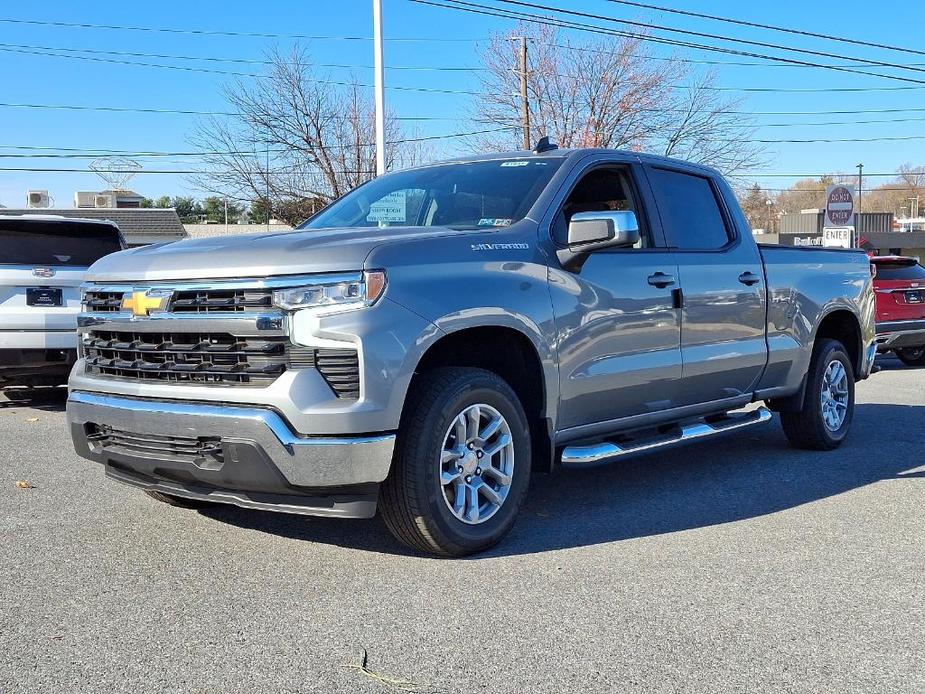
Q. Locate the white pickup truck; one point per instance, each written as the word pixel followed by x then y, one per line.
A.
pixel 43 259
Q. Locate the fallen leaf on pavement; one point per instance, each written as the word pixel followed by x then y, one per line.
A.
pixel 22 484
pixel 32 419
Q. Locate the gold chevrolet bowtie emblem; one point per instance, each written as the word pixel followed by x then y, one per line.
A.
pixel 142 303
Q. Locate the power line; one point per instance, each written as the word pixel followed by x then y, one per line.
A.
pixel 771 27
pixel 747 174
pixel 195 112
pixel 721 63
pixel 214 59
pixel 720 37
pixel 211 32
pixel 187 68
pixel 414 68
pixel 891 138
pixel 89 152
pixel 475 8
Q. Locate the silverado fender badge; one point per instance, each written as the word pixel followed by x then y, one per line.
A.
pixel 499 246
pixel 43 272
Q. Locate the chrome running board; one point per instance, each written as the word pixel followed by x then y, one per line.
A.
pixel 593 454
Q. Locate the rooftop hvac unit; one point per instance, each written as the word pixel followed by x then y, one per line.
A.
pixel 37 198
pixel 104 200
pixel 85 198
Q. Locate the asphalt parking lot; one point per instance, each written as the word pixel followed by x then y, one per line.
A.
pixel 733 565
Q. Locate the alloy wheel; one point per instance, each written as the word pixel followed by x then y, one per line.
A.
pixel 476 463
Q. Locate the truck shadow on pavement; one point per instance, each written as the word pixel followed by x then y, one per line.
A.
pixel 711 483
pixel 45 399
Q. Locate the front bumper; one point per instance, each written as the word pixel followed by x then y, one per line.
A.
pixel 244 456
pixel 899 334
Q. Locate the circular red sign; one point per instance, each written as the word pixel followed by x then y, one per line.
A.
pixel 840 206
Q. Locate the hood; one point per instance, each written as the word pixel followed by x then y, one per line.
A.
pixel 256 255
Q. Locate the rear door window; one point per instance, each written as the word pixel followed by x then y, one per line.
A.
pixel 689 210
pixel 77 244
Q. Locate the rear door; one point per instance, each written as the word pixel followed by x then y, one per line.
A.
pixel 723 320
pixel 42 264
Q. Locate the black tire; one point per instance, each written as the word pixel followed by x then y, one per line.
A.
pixel 178 501
pixel 412 499
pixel 911 356
pixel 807 428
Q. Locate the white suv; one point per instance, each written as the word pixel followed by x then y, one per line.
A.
pixel 43 259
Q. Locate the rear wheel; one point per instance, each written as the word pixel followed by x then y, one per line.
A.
pixel 911 356
pixel 828 404
pixel 462 464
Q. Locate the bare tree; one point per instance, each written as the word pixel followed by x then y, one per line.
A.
pixel 610 93
pixel 296 137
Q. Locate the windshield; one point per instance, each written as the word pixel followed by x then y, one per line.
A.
pixel 474 195
pixel 38 242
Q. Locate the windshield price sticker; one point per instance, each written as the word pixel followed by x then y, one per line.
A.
pixel 391 208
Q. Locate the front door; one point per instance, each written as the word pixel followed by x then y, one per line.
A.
pixel 618 328
pixel 723 322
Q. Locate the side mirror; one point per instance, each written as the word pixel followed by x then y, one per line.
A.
pixel 591 231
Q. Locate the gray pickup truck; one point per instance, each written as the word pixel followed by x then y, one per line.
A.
pixel 430 339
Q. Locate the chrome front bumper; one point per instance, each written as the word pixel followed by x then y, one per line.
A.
pixel 254 458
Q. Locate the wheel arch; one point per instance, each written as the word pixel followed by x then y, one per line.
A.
pixel 513 354
pixel 838 323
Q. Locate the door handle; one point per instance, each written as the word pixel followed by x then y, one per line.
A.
pixel 749 278
pixel 661 280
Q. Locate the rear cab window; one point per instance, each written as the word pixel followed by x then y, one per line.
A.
pixel 57 243
pixel 690 210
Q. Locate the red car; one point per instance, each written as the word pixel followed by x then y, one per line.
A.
pixel 899 286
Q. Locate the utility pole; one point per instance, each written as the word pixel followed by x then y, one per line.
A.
pixel 380 87
pixel 269 205
pixel 859 215
pixel 524 96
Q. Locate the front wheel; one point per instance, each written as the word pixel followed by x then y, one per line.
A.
pixel 462 463
pixel 911 356
pixel 828 404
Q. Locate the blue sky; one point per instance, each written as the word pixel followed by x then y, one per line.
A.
pixel 43 79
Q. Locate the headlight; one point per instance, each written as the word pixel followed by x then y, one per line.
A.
pixel 347 293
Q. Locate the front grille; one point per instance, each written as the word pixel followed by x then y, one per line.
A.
pixel 190 301
pixel 221 300
pixel 203 451
pixel 214 359
pixel 103 302
pixel 209 358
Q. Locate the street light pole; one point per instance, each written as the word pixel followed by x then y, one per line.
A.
pixel 380 87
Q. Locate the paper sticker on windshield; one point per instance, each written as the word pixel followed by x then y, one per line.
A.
pixel 500 222
pixel 515 163
pixel 391 208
